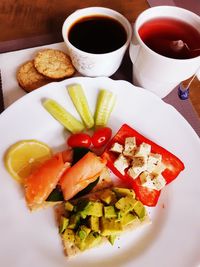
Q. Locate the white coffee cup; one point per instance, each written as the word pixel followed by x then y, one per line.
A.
pixel 155 72
pixel 90 64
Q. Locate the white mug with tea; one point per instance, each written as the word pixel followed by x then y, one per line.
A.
pixel 96 39
pixel 165 48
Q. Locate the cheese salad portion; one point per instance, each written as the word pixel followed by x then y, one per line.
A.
pixel 140 161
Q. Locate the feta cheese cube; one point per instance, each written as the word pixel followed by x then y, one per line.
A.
pixel 139 162
pixel 130 147
pixel 158 181
pixel 160 167
pixel 117 148
pixel 146 181
pixel 143 150
pixel 152 180
pixel 134 171
pixel 152 161
pixel 121 163
pixel 138 165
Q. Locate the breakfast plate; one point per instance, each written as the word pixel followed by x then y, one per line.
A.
pixel 31 239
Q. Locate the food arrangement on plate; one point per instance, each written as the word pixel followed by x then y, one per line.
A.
pixel 101 178
pixel 91 207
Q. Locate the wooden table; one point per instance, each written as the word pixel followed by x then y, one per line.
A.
pixel 25 18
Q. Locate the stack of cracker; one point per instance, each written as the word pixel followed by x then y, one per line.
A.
pixel 49 65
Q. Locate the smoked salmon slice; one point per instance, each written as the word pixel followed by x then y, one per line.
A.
pixel 43 180
pixel 84 172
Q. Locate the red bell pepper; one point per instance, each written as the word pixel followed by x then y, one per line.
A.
pixel 173 165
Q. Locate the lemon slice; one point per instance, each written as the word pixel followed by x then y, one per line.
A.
pixel 24 156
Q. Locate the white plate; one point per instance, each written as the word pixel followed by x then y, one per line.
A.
pixel 173 238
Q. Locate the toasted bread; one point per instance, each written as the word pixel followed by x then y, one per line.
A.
pixel 70 248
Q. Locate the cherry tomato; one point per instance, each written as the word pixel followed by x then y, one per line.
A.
pixel 79 140
pixel 101 137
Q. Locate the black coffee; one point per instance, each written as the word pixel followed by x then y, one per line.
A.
pixel 97 34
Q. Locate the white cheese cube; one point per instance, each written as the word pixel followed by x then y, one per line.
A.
pixel 160 167
pixel 117 148
pixel 138 165
pixel 143 150
pixel 159 181
pixel 129 147
pixel 134 171
pixel 152 161
pixel 139 162
pixel 121 163
pixel 152 180
pixel 146 181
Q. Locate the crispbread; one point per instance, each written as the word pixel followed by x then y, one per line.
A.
pixel 70 249
pixel 54 64
pixel 44 205
pixel 29 78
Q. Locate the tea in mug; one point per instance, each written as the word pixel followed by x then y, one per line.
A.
pixel 162 35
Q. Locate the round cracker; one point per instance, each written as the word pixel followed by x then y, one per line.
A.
pixel 54 64
pixel 29 78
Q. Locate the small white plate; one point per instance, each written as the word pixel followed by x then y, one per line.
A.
pixel 173 238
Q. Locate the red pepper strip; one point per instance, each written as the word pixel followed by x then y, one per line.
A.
pixel 173 165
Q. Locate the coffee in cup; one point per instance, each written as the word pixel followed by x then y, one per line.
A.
pixel 96 39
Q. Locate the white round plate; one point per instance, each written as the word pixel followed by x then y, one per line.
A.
pixel 173 238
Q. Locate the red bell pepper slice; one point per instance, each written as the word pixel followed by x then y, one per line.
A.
pixel 174 166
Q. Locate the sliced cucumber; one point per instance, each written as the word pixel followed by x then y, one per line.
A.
pixel 63 116
pixel 80 102
pixel 105 103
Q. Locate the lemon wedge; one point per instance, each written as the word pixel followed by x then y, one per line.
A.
pixel 24 156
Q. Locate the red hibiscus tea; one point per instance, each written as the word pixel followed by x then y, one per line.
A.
pixel 171 38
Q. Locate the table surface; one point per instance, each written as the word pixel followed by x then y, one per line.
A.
pixel 24 18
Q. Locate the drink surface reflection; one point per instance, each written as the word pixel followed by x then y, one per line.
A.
pixel 171 38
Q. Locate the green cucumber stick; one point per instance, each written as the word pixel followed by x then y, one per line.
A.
pixel 105 103
pixel 63 116
pixel 80 102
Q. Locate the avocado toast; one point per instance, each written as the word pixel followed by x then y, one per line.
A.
pixel 99 217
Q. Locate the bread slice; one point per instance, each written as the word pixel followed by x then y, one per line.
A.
pixel 70 248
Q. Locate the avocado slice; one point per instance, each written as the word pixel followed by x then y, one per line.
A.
pixel 110 226
pixel 69 206
pixel 83 232
pixel 139 209
pixel 90 241
pixel 94 223
pixel 69 235
pixel 93 209
pixel 111 239
pixel 63 224
pixel 123 192
pixel 125 204
pixel 74 221
pixel 128 218
pixel 108 196
pixel 109 212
